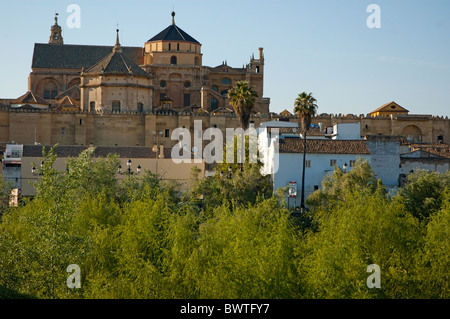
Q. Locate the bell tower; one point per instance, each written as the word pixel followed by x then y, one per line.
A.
pixel 56 33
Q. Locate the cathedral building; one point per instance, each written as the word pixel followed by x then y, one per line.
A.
pixel 133 96
pixel 167 73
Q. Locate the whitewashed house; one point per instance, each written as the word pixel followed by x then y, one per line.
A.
pixel 281 151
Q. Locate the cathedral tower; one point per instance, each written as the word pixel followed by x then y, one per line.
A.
pixel 56 33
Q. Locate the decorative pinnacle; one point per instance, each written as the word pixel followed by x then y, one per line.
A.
pixel 117 47
pixel 173 17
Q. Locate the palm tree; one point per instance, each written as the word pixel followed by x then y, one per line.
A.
pixel 242 99
pixel 305 106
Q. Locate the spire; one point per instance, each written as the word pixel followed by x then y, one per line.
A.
pixel 117 47
pixel 56 33
pixel 173 17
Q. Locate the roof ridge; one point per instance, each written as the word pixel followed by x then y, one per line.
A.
pixel 178 30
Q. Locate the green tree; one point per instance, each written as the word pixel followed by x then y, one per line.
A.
pixel 305 107
pixel 366 228
pixel 242 99
pixel 434 261
pixel 424 191
pixel 337 185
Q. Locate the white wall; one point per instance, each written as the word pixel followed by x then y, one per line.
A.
pixel 291 165
pixel 347 131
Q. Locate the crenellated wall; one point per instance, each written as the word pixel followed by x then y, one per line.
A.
pixel 136 129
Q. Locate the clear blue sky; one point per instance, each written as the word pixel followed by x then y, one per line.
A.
pixel 318 46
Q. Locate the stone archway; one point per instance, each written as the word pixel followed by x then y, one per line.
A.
pixel 412 133
pixel 48 88
pixel 73 82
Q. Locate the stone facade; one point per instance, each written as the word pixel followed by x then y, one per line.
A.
pixel 158 88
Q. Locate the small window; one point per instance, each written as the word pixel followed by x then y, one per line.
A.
pixel 140 107
pixel 440 139
pixel 15 154
pixel 92 106
pixel 163 84
pixel 224 92
pixel 332 162
pixel 215 88
pixel 197 61
pixel 173 60
pixel 116 106
pixel 307 163
pixel 257 69
pixel 47 95
pixel 167 133
pixel 187 99
pixel 352 163
pixel 170 46
pixel 187 84
pixel 63 131
pixel 178 47
pixel 81 122
pixel 316 187
pixel 226 81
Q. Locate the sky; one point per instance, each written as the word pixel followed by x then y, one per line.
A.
pixel 320 46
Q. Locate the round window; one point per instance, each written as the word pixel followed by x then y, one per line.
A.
pixel 187 84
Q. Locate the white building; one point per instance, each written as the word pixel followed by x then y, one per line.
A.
pixel 11 165
pixel 281 149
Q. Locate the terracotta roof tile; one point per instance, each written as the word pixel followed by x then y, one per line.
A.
pixel 319 146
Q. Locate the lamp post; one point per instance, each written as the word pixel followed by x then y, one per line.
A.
pixel 155 149
pixel 129 171
pixel 345 167
pixel 230 172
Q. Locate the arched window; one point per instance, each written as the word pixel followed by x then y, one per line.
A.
pixel 140 107
pixel 92 106
pixel 116 106
pixel 173 60
pixel 213 104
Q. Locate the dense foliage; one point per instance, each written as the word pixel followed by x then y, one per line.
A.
pixel 139 238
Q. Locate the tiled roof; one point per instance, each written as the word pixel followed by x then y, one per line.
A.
pixel 295 145
pixel 100 151
pixel 74 93
pixel 117 63
pixel 69 56
pixel 30 98
pixel 66 102
pixel 173 33
pixel 442 150
pixel 222 110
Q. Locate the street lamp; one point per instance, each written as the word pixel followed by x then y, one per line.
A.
pixel 34 169
pixel 129 171
pixel 155 149
pixel 345 167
